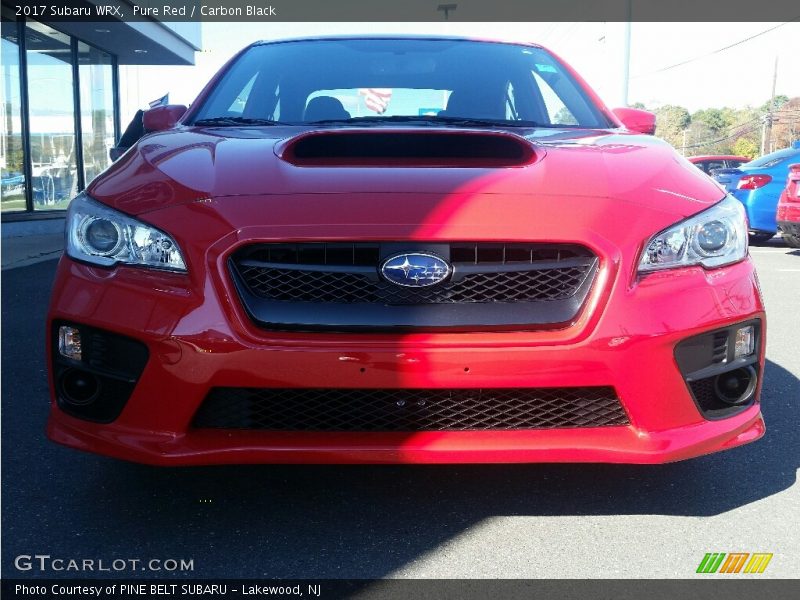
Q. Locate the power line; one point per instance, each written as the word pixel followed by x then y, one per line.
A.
pixel 737 134
pixel 686 62
pixel 732 128
pixel 737 130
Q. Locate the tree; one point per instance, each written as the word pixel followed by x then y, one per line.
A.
pixel 714 118
pixel 564 117
pixel 780 100
pixel 670 123
pixel 745 146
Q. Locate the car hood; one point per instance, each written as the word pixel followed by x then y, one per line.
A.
pixel 202 164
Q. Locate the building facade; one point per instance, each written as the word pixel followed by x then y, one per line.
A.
pixel 59 102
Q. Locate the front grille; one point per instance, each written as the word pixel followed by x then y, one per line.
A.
pixel 410 409
pixel 286 284
pixel 291 285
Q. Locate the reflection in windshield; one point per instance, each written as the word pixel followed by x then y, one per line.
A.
pixel 346 80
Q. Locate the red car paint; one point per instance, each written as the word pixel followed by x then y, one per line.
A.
pixel 788 214
pixel 607 189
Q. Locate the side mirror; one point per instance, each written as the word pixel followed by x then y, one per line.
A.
pixel 638 121
pixel 162 117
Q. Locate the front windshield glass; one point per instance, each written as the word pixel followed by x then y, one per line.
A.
pixel 374 80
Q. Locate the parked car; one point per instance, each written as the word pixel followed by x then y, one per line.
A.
pixel 710 163
pixel 403 250
pixel 788 215
pixel 758 185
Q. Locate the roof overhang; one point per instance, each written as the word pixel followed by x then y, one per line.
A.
pixel 135 42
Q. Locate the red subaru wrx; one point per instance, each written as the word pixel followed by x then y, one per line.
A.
pixel 403 249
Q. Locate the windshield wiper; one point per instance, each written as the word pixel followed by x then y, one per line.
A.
pixel 234 121
pixel 433 120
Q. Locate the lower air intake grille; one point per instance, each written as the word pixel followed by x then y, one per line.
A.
pixel 409 409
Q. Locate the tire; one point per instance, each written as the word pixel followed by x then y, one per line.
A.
pixel 793 241
pixel 759 237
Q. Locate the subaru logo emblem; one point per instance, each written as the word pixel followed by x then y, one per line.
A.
pixel 415 269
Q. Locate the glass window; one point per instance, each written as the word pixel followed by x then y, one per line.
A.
pixel 557 111
pixel 400 78
pixel 775 158
pixel 51 100
pixel 511 103
pixel 237 106
pixel 11 157
pixel 387 102
pixel 97 109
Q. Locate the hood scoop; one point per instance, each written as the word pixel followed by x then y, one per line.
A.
pixel 407 148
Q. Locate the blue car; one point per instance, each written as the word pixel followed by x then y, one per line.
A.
pixel 758 185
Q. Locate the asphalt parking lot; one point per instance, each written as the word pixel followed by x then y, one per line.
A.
pixel 503 521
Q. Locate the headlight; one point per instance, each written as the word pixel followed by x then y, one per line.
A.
pixel 103 236
pixel 713 238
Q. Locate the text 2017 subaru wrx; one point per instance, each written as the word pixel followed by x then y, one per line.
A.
pixel 417 250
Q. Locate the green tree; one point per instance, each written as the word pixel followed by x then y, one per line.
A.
pixel 714 118
pixel 745 146
pixel 564 117
pixel 670 123
pixel 780 100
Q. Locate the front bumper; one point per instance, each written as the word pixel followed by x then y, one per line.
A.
pixel 199 338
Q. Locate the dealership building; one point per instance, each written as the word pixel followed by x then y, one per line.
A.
pixel 60 108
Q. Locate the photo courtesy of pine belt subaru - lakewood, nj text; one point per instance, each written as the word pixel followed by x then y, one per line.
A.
pixel 403 250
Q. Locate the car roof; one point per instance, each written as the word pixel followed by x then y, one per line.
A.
pixel 451 38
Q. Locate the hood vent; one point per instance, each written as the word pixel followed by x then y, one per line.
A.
pixel 407 148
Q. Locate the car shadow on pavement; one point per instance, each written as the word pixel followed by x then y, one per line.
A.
pixel 324 521
pixel 349 521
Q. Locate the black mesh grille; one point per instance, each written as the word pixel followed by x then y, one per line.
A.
pixel 409 409
pixel 348 273
pixel 316 286
pixel 703 390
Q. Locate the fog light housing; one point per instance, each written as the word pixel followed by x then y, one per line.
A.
pixel 745 343
pixel 69 342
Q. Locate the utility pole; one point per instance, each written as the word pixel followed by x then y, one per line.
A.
pixel 766 132
pixel 626 56
pixel 683 150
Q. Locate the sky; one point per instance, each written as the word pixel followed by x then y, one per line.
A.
pixel 712 76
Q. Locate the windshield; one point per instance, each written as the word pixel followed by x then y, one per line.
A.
pixel 374 80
